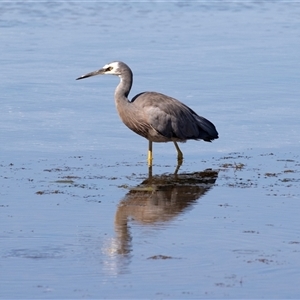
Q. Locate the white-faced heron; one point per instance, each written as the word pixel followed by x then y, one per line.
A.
pixel 156 117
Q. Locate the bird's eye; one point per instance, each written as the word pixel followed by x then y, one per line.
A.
pixel 109 69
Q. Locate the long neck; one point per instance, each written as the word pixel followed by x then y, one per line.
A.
pixel 123 88
pixel 121 94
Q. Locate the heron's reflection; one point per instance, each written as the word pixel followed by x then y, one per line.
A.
pixel 159 199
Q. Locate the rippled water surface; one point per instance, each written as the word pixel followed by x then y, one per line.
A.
pixel 80 216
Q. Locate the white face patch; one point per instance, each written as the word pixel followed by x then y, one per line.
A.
pixel 113 66
pixel 106 66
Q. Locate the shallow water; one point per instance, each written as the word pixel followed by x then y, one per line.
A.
pixel 80 219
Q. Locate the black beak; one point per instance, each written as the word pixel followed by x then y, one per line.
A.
pixel 94 73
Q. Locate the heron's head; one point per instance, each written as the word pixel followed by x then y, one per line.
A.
pixel 113 68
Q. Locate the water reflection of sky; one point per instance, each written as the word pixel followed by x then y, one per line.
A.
pixel 234 63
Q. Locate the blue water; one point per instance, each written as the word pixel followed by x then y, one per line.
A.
pixel 68 164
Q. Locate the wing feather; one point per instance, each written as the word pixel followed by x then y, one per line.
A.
pixel 173 119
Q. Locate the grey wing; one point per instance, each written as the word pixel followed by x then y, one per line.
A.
pixel 174 120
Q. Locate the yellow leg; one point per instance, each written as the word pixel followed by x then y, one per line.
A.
pixel 179 153
pixel 179 158
pixel 150 157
